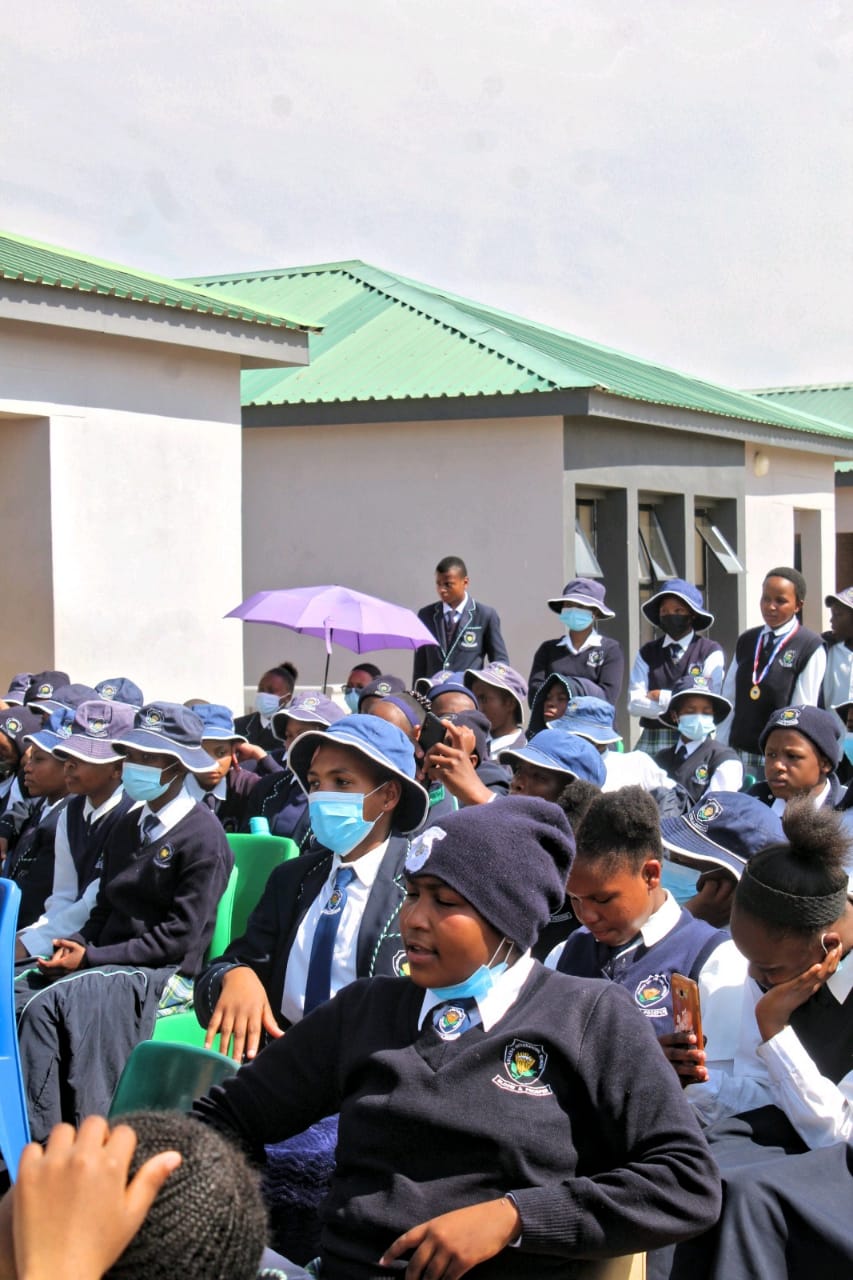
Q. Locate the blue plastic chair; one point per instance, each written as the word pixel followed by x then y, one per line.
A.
pixel 14 1124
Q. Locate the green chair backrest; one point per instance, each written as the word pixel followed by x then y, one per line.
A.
pixel 168 1077
pixel 255 858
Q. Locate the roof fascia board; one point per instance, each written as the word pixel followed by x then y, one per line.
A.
pixel 258 348
pixel 605 405
pixel 536 404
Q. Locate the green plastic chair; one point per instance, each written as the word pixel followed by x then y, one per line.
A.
pixel 168 1077
pixel 255 859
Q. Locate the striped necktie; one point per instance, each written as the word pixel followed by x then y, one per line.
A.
pixel 319 980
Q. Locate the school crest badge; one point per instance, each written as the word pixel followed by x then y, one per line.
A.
pixel 594 658
pixel 651 992
pixel 701 774
pixel 96 728
pixel 164 855
pixel 13 727
pixel 695 671
pixel 45 691
pixel 63 730
pixel 707 811
pixel 152 719
pixel 108 692
pixel 787 659
pixel 335 902
pixel 789 717
pixel 400 964
pixel 383 687
pixel 524 1064
pixel 469 640
pixel 451 1022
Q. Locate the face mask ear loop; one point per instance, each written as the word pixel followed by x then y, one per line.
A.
pixel 510 947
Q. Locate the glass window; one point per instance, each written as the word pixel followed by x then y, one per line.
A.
pixel 586 536
pixel 655 558
pixel 717 544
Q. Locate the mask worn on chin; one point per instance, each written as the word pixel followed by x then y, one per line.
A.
pixel 479 983
pixel 675 625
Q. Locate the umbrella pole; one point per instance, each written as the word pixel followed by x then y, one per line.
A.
pixel 328 659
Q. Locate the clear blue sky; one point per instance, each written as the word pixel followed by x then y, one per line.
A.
pixel 673 179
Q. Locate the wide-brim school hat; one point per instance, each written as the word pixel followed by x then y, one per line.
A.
pixel 698 685
pixel 120 689
pixel 43 685
pixel 311 707
pixel 55 733
pixel 822 728
pixel 93 728
pixel 687 594
pixel 379 687
pixel 502 677
pixel 589 718
pixel 65 697
pixel 379 741
pixel 170 730
pixel 583 591
pixel 18 686
pixel 17 723
pixel 844 598
pixel 560 752
pixel 723 830
pixel 218 722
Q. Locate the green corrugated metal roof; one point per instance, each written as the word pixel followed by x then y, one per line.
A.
pixel 833 401
pixel 389 338
pixel 30 262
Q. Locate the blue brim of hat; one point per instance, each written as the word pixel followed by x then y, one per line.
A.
pixel 47 706
pixel 81 747
pixel 532 755
pixel 590 730
pixel 217 734
pixel 45 739
pixel 651 609
pixel 193 758
pixel 305 717
pixel 559 602
pixel 414 802
pixel 686 844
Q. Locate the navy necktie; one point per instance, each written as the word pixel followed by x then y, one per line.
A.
pixel 450 625
pixel 149 826
pixel 454 1017
pixel 319 980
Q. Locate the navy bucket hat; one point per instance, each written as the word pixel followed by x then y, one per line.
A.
pixel 723 830
pixel 171 730
pixel 687 594
pixel 582 591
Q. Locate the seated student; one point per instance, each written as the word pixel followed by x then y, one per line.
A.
pixel 460 770
pixel 329 916
pixel 120 689
pixel 406 710
pixel 17 691
pixel 592 719
pixel 279 797
pixel 717 838
pixel 500 692
pixel 30 861
pixel 697 762
pixel 360 676
pixel 165 869
pixel 226 788
pixel 677 610
pixel 781 1125
pixel 556 694
pixel 437 1078
pixel 275 689
pixel 635 933
pixel 549 761
pixel 16 723
pixel 111 1215
pixel 837 684
pixel 802 749
pixel 581 651
pixel 378 688
pixel 97 801
pixel 451 695
pixel 574 800
pixel 43 685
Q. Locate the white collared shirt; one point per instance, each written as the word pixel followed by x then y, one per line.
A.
pixel 804 693
pixel 779 805
pixel 170 815
pixel 838 680
pixel 497 1001
pixel 728 775
pixel 454 613
pixel 197 791
pixel 633 769
pixel 639 702
pixel 66 910
pixel 593 641
pixel 366 869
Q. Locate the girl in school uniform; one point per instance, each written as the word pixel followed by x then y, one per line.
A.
pixel 582 650
pixel 485 1120
pixel 779 664
pixel 678 611
pixel 780 1126
pixel 275 689
pixel 802 749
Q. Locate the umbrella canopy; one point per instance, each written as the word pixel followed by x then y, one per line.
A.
pixel 337 614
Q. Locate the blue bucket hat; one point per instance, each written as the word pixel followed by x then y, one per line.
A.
pixel 687 594
pixel 560 752
pixel 93 728
pixel 379 741
pixel 55 732
pixel 120 689
pixel 583 591
pixel 44 684
pixel 688 685
pixel 723 830
pixel 575 687
pixel 218 722
pixel 311 706
pixel 590 718
pixel 503 677
pixel 18 686
pixel 170 730
pixel 65 696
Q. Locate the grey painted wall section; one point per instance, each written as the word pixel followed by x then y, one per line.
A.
pixel 26 567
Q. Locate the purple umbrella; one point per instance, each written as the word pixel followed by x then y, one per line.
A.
pixel 351 618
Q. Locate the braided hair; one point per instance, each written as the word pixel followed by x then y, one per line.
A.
pixel 799 887
pixel 208 1218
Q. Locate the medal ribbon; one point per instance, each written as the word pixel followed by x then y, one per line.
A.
pixel 777 649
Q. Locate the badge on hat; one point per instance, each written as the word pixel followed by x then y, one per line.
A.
pixel 107 692
pixel 96 728
pixel 153 719
pixel 708 811
pixel 790 716
pixel 12 727
pixel 699 681
pixel 45 691
pixel 310 701
pixel 383 687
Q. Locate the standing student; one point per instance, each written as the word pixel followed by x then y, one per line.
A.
pixel 581 651
pixel 802 749
pixel 838 679
pixel 779 664
pixel 696 761
pixel 486 1122
pixel 501 694
pixel 275 689
pixel 678 611
pixel 467 633
pixel 97 801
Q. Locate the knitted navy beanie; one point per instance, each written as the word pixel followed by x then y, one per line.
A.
pixel 510 859
pixel 208 1219
pixel 822 728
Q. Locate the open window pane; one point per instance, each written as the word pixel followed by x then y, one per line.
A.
pixel 586 564
pixel 717 545
pixel 656 562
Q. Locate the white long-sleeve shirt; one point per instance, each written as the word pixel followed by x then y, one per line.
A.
pixel 639 702
pixel 806 689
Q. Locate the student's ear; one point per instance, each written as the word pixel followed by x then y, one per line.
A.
pixel 392 796
pixel 651 872
pixel 830 941
pixel 826 766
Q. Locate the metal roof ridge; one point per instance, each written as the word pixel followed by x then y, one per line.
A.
pixel 793 389
pixel 272 273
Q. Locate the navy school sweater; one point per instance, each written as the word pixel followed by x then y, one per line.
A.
pixel 88 842
pixel 776 689
pixel 567 1102
pixel 157 902
pixel 695 772
pixel 30 863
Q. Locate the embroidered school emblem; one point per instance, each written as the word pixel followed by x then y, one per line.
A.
pixel 790 716
pixel 695 671
pixel 96 728
pixel 421 848
pixel 450 1022
pixel 468 640
pixel 12 726
pixel 310 701
pixel 499 669
pixel 64 731
pixel 708 811
pixel 595 657
pixel 164 855
pixel 383 687
pixel 45 691
pixel 701 774
pixel 400 964
pixel 787 659
pixel 524 1063
pixel 335 902
pixel 108 692
pixel 441 677
pixel 153 719
pixel 699 681
pixel 651 991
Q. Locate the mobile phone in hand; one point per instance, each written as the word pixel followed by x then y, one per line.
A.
pixel 432 732
pixel 686 1012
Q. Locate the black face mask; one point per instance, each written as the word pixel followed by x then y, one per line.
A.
pixel 675 624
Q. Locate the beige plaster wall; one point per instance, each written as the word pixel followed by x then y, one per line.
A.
pixel 26 582
pixel 375 507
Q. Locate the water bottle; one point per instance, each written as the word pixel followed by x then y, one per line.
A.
pixel 259 826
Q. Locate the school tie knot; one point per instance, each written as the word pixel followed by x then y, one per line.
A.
pixel 453 1018
pixel 318 983
pixel 209 799
pixel 676 652
pixel 149 825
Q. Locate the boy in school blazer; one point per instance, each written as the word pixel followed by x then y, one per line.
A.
pixel 468 634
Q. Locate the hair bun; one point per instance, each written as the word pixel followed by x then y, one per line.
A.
pixel 816 835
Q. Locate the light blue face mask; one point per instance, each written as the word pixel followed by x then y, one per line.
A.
pixel 351 699
pixel 848 747
pixel 266 704
pixel 337 818
pixel 575 619
pixel 695 727
pixel 142 781
pixel 479 983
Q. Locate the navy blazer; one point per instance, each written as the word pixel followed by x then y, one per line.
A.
pixel 478 640
pixel 271 928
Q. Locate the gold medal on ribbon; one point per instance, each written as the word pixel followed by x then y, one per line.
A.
pixel 755 693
